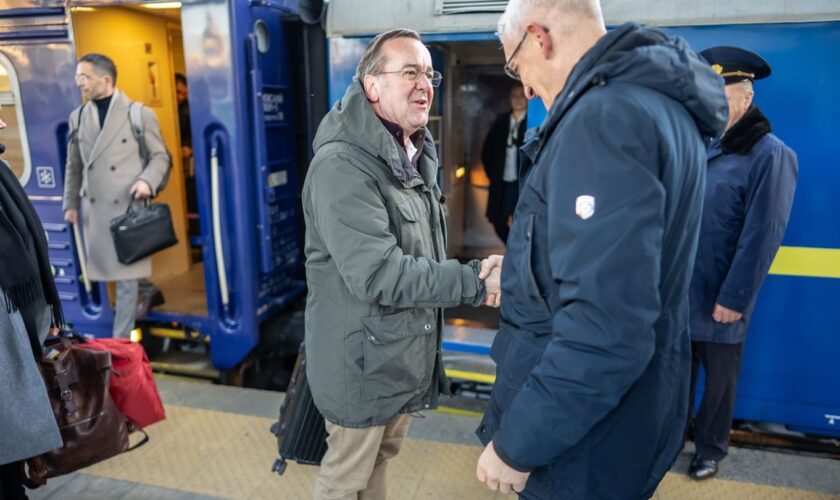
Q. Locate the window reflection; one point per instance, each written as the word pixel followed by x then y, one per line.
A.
pixel 13 137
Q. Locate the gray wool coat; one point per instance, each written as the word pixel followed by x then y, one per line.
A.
pixel 102 165
pixel 27 424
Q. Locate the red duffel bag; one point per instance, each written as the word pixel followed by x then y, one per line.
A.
pixel 133 387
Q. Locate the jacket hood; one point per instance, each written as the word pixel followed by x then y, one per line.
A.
pixel 650 58
pixel 353 121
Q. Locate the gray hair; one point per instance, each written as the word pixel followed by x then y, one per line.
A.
pixel 517 11
pixel 743 86
pixel 373 60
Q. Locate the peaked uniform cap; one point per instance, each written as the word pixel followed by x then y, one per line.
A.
pixel 735 64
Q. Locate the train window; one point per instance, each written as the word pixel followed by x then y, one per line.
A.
pixel 263 39
pixel 14 135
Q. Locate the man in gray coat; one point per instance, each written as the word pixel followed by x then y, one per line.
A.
pixel 376 265
pixel 105 173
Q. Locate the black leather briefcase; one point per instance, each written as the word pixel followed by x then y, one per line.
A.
pixel 140 232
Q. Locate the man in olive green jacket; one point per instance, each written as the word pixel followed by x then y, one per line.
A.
pixel 376 265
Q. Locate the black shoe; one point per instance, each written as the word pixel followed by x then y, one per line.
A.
pixel 147 302
pixel 702 468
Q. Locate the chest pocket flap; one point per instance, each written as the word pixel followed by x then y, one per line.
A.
pixel 407 209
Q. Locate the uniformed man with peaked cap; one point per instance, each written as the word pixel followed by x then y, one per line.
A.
pixel 750 182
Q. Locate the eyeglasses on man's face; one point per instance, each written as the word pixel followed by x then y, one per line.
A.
pixel 411 74
pixel 509 71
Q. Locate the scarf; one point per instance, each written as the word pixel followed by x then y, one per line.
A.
pixel 25 271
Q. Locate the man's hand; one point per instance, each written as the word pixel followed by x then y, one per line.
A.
pixel 186 152
pixel 491 274
pixel 497 475
pixel 71 215
pixel 724 315
pixel 140 190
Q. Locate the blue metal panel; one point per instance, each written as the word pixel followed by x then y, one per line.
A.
pixel 244 113
pixel 460 37
pixel 344 54
pixel 215 96
pixel 788 373
pixel 802 103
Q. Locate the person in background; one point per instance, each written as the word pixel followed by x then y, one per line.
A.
pixel 29 308
pixel 182 95
pixel 500 156
pixel 750 182
pixel 105 173
pixel 593 354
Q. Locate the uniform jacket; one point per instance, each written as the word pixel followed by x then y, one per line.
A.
pixel 593 353
pixel 493 156
pixel 26 417
pixel 101 167
pixel 750 182
pixel 376 270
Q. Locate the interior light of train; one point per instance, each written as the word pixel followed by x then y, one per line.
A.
pixel 163 5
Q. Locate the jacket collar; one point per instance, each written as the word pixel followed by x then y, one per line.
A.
pixel 747 131
pixel 110 127
pixel 353 121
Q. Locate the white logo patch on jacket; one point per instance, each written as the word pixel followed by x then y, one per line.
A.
pixel 585 206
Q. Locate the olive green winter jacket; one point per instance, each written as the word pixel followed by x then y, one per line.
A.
pixel 376 269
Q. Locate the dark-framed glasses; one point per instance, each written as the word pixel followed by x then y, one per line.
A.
pixel 509 71
pixel 411 74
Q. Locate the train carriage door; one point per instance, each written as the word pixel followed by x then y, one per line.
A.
pixel 246 172
pixel 37 94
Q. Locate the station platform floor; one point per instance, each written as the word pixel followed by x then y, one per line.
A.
pixel 215 443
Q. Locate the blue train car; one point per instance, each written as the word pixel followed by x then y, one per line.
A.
pixel 789 373
pixel 238 261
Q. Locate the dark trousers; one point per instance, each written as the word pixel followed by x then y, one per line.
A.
pixel 722 363
pixel 510 195
pixel 11 481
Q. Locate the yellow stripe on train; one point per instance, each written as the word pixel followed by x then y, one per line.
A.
pixel 484 378
pixel 804 261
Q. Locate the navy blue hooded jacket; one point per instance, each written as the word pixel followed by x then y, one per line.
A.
pixel 593 348
pixel 750 182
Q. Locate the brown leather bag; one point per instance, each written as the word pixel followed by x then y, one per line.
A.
pixel 91 426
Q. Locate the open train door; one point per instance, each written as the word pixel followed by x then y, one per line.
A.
pixel 37 94
pixel 246 170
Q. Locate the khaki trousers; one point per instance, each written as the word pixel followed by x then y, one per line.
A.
pixel 354 465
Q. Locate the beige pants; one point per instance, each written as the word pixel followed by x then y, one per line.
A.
pixel 354 465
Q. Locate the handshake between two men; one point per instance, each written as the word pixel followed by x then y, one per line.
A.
pixel 491 274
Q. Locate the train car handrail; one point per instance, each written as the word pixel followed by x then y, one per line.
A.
pixel 217 225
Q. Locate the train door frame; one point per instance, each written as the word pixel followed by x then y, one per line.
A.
pixel 235 330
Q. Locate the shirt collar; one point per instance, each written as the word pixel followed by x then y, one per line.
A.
pixel 397 132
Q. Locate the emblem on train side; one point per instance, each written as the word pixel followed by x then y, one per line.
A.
pixel 585 206
pixel 832 418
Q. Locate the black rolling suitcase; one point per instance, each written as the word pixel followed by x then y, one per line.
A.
pixel 301 434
